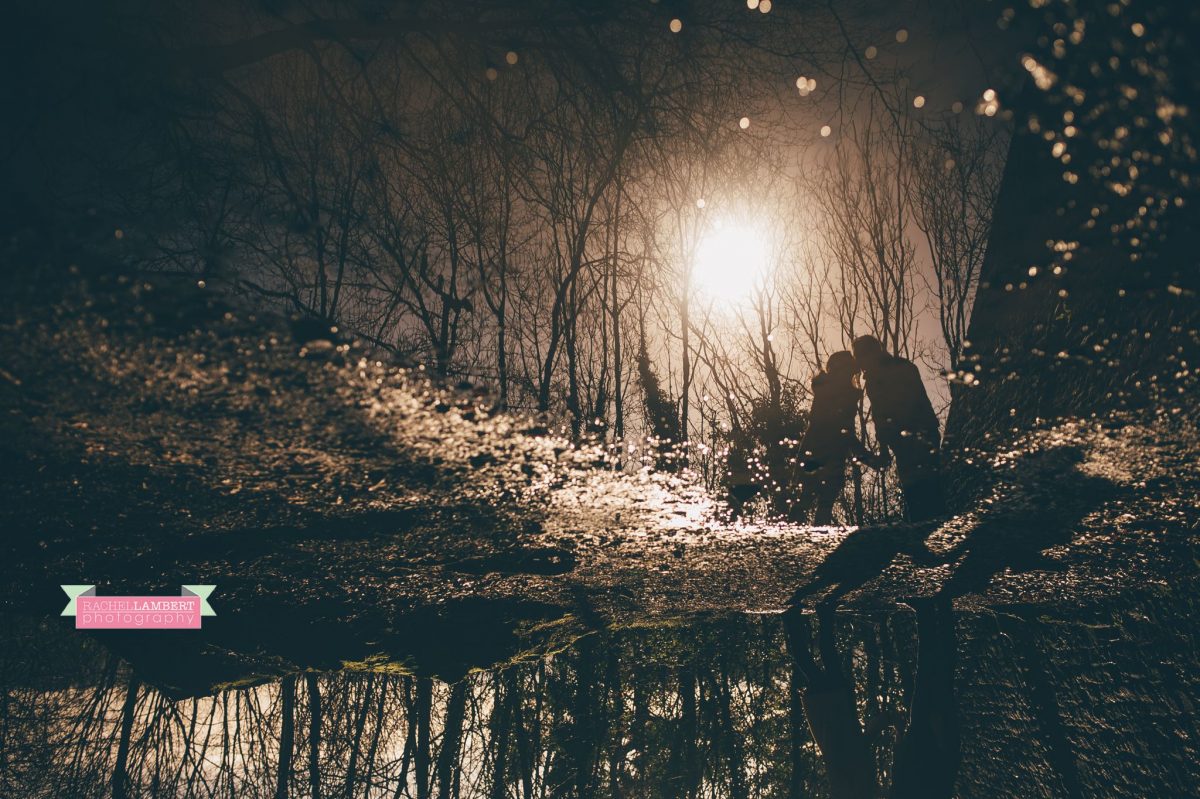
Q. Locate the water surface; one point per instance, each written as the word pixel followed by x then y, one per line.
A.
pixel 1097 701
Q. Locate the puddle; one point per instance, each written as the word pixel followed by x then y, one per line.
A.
pixel 925 703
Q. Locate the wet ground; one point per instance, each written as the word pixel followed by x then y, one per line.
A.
pixel 396 546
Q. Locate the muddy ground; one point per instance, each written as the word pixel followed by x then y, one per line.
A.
pixel 351 508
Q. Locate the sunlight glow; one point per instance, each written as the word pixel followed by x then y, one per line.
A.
pixel 731 261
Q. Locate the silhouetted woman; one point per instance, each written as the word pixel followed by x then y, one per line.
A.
pixel 830 439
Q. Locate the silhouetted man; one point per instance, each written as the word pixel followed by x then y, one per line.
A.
pixel 904 423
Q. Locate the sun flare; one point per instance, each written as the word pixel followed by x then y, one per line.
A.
pixel 731 261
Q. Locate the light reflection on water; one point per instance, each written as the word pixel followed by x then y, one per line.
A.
pixel 822 705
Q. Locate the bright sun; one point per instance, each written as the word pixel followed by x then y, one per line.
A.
pixel 731 261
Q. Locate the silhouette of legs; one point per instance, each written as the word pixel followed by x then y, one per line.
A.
pixel 919 468
pixel 830 708
pixel 739 495
pixel 821 490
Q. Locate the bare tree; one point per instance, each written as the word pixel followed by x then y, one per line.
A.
pixel 956 175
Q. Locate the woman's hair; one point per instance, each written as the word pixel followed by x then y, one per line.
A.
pixel 843 363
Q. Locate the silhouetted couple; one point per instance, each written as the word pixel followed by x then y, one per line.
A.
pixel 905 426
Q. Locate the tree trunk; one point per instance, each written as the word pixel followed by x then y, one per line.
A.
pixel 377 733
pixel 447 767
pixel 314 735
pixel 618 391
pixel 686 388
pixel 356 744
pixel 424 708
pixel 501 732
pixel 287 735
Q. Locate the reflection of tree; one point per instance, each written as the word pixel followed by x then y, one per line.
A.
pixel 314 735
pixel 673 712
pixel 448 757
pixel 501 729
pixel 689 759
pixel 1031 686
pixel 424 705
pixel 120 776
pixel 287 735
